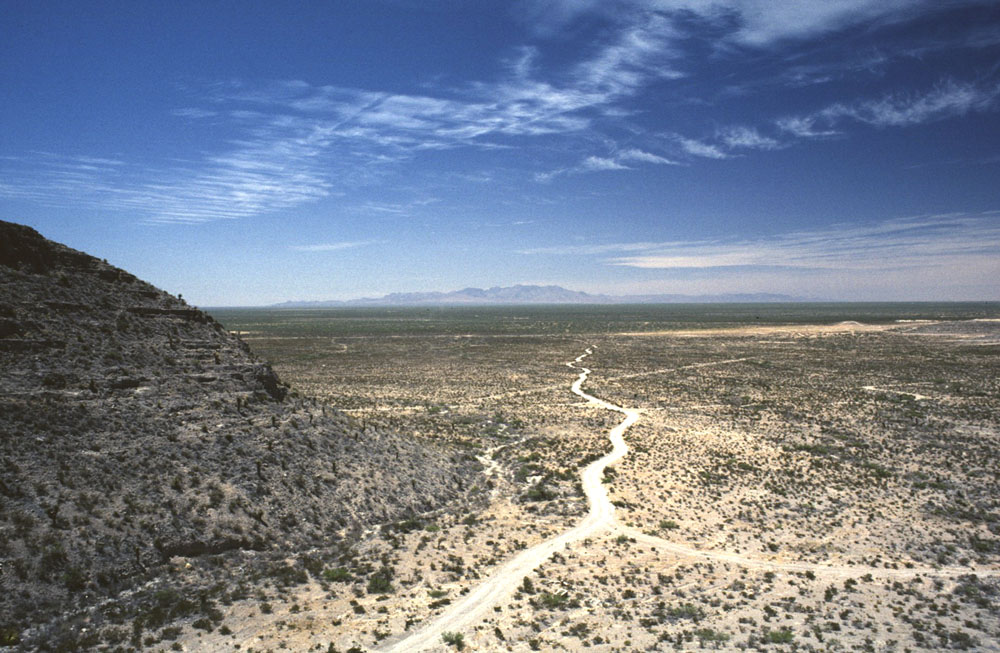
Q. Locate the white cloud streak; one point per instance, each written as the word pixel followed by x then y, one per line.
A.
pixel 764 22
pixel 592 250
pixel 332 247
pixel 634 154
pixel 921 242
pixel 601 163
pixel 276 168
pixel 701 149
pixel 803 127
pixel 616 161
pixel 937 241
pixel 949 99
pixel 747 138
pixel 751 23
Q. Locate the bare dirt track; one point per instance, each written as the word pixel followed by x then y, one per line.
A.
pixel 504 582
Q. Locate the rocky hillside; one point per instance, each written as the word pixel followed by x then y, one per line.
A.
pixel 136 430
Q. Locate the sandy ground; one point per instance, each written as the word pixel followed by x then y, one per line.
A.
pixel 786 486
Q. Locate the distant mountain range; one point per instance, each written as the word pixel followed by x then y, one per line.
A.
pixel 513 295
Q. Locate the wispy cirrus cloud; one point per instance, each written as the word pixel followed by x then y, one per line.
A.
pixel 641 156
pixel 740 137
pixel 804 127
pixel 763 24
pixel 296 142
pixel 699 148
pixel 935 241
pixel 301 142
pixel 750 23
pixel 194 112
pixel 615 161
pixel 396 208
pixel 525 103
pixel 291 142
pixel 601 163
pixel 641 52
pixel 332 247
pixel 948 99
pixel 592 250
pixel 871 63
pixel 46 177
pixel 272 168
pixel 931 241
pixel 618 159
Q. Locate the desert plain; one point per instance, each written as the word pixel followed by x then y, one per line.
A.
pixel 816 478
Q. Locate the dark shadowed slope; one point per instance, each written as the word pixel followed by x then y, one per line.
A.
pixel 136 429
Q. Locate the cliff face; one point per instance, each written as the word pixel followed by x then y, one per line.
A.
pixel 135 429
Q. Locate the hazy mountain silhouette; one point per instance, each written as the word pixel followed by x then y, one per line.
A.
pixel 514 295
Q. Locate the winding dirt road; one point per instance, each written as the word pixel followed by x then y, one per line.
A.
pixel 468 611
pixel 505 581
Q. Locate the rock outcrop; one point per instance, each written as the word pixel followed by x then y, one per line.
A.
pixel 135 429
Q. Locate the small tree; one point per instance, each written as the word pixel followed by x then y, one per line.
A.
pixel 381 582
pixel 454 639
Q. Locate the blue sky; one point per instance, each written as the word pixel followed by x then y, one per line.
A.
pixel 246 153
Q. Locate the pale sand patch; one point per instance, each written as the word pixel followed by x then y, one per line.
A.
pixel 916 397
pixel 791 329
